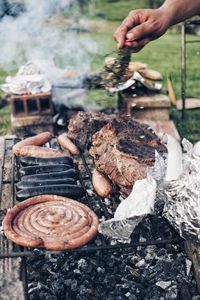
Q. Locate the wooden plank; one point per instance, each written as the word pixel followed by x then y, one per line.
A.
pixel 10 284
pixel 193 251
pixel 190 103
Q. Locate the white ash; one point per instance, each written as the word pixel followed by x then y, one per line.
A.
pixel 142 239
pixel 188 266
pixel 82 263
pixel 140 264
pixel 107 201
pixel 164 284
pixel 90 192
pixel 76 271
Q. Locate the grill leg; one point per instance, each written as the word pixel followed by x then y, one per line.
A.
pixel 24 278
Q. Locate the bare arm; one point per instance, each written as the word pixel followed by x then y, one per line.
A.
pixel 180 10
pixel 144 25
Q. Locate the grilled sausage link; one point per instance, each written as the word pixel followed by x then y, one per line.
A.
pixel 67 190
pixel 36 140
pixel 44 169
pixel 67 144
pixel 30 160
pixel 30 184
pixel 71 173
pixel 101 184
pixel 38 151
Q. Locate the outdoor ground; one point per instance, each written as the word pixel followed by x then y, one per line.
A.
pixel 163 55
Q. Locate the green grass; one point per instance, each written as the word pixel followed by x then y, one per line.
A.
pixel 188 128
pixel 5 126
pixel 116 10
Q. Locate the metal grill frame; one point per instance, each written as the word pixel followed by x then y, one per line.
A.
pixel 24 253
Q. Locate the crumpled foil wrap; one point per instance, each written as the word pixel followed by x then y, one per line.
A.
pixel 131 211
pixel 177 200
pixel 120 230
pixel 182 201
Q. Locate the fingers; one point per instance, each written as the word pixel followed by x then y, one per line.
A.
pixel 140 32
pixel 122 30
pixel 138 45
pixel 120 35
pixel 140 27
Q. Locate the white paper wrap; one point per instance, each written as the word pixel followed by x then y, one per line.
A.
pixel 34 77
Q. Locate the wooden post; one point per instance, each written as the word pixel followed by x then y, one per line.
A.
pixel 183 69
pixel 193 251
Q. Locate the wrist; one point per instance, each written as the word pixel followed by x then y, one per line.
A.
pixel 179 10
pixel 168 14
pixel 165 20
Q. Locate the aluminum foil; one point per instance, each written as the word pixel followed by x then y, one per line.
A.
pixel 182 202
pixel 172 188
pixel 131 211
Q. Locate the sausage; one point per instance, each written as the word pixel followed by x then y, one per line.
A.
pixel 67 144
pixel 36 140
pixel 101 184
pixel 44 169
pixel 38 151
pixel 28 184
pixel 71 226
pixel 71 173
pixel 67 190
pixel 30 160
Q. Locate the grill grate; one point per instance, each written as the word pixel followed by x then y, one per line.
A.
pixel 9 175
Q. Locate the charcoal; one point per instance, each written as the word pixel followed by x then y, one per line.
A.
pixel 51 297
pixel 56 285
pixel 161 252
pixel 172 293
pixel 130 296
pixel 122 274
pixel 73 285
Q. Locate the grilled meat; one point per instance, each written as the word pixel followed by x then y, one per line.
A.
pixel 83 125
pixel 123 149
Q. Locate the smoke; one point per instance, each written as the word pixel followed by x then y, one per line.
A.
pixel 34 35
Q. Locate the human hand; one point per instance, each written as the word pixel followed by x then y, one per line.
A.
pixel 140 27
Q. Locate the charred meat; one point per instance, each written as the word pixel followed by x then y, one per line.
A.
pixel 123 149
pixel 83 125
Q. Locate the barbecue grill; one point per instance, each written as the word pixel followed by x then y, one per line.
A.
pixel 161 231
